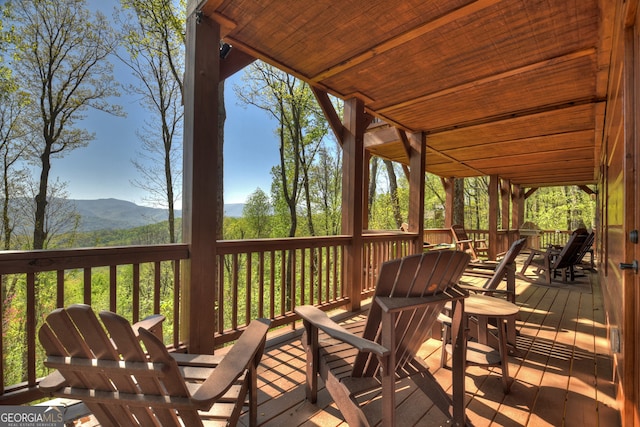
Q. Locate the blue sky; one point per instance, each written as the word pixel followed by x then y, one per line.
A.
pixel 104 169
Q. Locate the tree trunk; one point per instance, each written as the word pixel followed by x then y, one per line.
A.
pixel 373 183
pixel 458 201
pixel 393 192
pixel 39 232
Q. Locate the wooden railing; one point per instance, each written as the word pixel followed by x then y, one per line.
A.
pixel 554 237
pixel 378 248
pixel 270 277
pixel 257 278
pixel 133 281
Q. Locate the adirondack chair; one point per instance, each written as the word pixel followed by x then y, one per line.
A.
pixel 410 293
pixel 562 261
pixel 465 244
pixel 587 248
pixel 124 383
pixel 495 272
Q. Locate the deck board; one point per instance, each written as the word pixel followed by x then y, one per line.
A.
pixel 564 376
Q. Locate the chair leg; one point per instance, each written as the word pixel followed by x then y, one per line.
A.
pixel 527 262
pixel 253 396
pixel 504 362
pixel 311 388
pixel 446 338
pixel 458 362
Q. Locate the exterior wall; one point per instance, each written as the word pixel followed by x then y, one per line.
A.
pixel 616 210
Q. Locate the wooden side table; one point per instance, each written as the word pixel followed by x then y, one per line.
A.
pixel 482 308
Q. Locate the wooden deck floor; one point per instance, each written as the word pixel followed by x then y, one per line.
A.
pixel 563 378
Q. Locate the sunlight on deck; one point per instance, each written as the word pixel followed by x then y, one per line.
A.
pixel 564 376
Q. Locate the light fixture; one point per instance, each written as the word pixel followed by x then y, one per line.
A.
pixel 225 48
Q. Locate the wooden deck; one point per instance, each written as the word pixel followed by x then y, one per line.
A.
pixel 563 378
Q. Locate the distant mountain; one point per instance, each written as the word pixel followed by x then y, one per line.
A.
pixel 114 214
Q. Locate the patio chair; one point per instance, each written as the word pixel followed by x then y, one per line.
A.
pixel 465 244
pixel 126 376
pixel 495 272
pixel 410 293
pixel 554 261
pixel 587 248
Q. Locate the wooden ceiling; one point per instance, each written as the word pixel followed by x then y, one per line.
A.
pixel 515 88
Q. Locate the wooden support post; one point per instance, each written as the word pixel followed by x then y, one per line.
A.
pixel 353 198
pixel 493 216
pixel 199 224
pixel 417 164
pixel 505 196
pixel 517 213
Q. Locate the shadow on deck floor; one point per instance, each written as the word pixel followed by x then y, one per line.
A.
pixel 564 377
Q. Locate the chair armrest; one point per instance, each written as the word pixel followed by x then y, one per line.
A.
pixel 464 241
pixel 486 265
pixel 235 363
pixel 52 382
pixel 151 323
pixel 319 319
pixel 477 289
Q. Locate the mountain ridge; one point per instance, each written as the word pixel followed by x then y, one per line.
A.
pixel 116 214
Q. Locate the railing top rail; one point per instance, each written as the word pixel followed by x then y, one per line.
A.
pixel 13 262
pixel 262 245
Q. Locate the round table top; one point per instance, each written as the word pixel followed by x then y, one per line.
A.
pixel 483 305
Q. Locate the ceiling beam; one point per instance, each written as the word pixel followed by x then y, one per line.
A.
pixel 236 61
pixel 330 113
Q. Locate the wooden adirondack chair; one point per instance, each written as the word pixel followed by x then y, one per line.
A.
pixel 124 383
pixel 465 244
pixel 495 272
pixel 587 248
pixel 409 295
pixel 562 261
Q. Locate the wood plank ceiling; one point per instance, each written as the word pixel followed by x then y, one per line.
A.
pixel 515 88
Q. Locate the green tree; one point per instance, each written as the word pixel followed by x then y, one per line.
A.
pixel 154 39
pixel 434 201
pixel 393 193
pixel 61 53
pixel 326 179
pixel 13 133
pixel 257 215
pixel 301 129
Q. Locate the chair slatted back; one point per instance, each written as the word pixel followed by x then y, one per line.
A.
pixel 77 332
pixel 569 253
pixel 418 275
pixel 509 259
pixel 586 247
